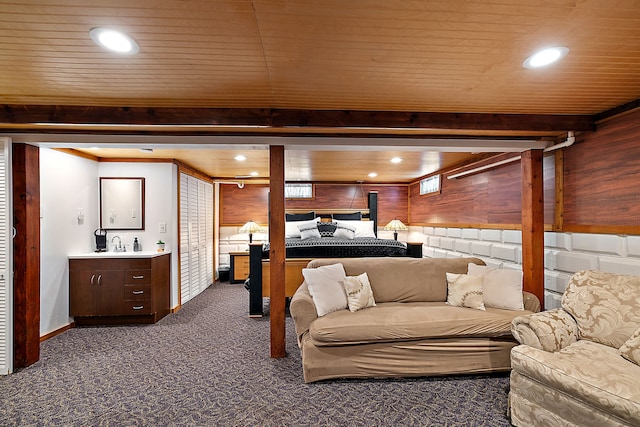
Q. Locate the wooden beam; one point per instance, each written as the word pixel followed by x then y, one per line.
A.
pixel 426 120
pixel 533 223
pixel 26 255
pixel 616 111
pixel 277 251
pixel 105 120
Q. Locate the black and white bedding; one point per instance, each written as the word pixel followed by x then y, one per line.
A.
pixel 334 247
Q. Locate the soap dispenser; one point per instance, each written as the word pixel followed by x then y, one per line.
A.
pixel 136 245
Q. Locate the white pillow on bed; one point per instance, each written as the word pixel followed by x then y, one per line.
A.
pixel 291 227
pixel 325 286
pixel 309 230
pixel 363 228
pixel 345 231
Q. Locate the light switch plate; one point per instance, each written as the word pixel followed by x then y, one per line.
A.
pixel 163 227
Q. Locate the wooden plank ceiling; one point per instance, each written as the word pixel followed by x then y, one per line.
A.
pixel 244 58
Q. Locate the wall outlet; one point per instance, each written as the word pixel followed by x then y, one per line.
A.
pixel 163 227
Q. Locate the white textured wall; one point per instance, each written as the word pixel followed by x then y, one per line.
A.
pixel 231 240
pixel 565 253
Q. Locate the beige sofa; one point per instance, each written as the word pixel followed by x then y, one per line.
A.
pixel 411 331
pixel 578 365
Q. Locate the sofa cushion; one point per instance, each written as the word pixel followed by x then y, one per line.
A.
pixel 392 321
pixel 589 372
pixel 606 306
pixel 403 279
pixel 630 350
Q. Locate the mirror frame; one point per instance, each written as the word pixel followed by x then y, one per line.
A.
pixel 141 201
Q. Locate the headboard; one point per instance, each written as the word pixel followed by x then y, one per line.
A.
pixel 370 214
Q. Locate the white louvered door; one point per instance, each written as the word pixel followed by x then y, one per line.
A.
pixel 6 267
pixel 196 236
pixel 185 251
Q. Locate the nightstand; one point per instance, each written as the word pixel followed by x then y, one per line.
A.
pixel 239 266
pixel 414 249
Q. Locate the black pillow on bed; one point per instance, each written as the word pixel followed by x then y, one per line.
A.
pixel 345 217
pixel 300 217
pixel 326 229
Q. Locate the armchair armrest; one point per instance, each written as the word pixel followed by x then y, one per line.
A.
pixel 303 311
pixel 548 330
pixel 531 302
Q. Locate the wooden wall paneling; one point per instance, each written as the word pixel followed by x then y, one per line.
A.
pixel 277 251
pixel 26 254
pixel 485 199
pixel 601 175
pixel 533 223
pixel 239 205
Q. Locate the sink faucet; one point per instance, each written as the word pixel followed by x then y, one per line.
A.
pixel 118 247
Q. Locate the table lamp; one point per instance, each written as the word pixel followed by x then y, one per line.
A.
pixel 395 225
pixel 250 227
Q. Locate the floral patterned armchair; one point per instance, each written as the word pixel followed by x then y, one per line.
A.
pixel 580 364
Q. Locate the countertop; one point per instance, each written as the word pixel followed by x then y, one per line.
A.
pixel 131 254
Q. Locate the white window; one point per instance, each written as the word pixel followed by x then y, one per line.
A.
pixel 298 191
pixel 430 185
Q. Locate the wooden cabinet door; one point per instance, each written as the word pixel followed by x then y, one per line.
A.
pixel 82 292
pixel 110 293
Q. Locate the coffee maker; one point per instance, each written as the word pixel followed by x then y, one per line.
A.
pixel 101 240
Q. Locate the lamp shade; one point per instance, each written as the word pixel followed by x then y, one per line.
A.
pixel 395 225
pixel 250 227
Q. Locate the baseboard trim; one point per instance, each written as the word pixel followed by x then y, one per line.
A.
pixel 58 331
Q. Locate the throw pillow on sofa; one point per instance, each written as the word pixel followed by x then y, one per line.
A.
pixel 359 293
pixel 325 286
pixel 630 350
pixel 464 291
pixel 501 288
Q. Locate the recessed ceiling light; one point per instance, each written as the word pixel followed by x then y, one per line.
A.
pixel 254 173
pixel 372 175
pixel 115 41
pixel 396 160
pixel 545 57
pixel 240 158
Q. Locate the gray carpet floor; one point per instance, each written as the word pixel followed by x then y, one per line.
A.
pixel 209 365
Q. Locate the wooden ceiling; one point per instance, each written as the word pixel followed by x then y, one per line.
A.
pixel 398 67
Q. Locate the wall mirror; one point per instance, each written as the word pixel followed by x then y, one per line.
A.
pixel 122 203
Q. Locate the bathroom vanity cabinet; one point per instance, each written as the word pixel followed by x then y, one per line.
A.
pixel 107 289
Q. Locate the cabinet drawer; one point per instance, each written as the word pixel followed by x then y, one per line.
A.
pixel 137 277
pixel 137 307
pixel 241 261
pixel 137 293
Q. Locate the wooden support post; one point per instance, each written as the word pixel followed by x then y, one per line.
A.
pixel 26 254
pixel 277 251
pixel 558 219
pixel 533 223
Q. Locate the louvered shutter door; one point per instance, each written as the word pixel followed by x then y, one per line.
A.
pixel 6 283
pixel 196 236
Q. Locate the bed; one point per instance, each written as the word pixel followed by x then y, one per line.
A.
pixel 341 233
